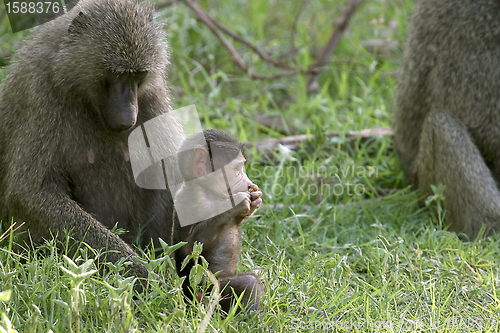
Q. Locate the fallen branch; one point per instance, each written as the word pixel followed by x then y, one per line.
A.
pixel 293 142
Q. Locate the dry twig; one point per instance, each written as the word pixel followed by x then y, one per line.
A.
pixel 205 18
pixel 340 26
pixel 294 26
pixel 263 55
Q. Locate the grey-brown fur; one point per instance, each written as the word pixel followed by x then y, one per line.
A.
pixel 61 167
pixel 447 116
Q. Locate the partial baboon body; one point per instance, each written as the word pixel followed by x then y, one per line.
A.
pixel 447 115
pixel 76 90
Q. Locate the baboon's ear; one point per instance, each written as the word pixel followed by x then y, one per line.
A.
pixel 79 24
pixel 200 162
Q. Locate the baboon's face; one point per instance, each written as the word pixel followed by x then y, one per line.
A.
pixel 118 107
pixel 237 178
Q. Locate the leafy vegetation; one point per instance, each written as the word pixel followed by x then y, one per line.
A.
pixel 335 250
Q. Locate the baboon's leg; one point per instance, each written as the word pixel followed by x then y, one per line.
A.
pixel 247 284
pixel 448 156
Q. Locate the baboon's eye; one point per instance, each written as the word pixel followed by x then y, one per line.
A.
pixel 238 168
pixel 106 84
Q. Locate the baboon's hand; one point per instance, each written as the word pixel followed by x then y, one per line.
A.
pixel 255 197
pixel 243 208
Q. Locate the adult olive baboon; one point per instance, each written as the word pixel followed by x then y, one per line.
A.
pixel 447 115
pixel 76 90
pixel 212 166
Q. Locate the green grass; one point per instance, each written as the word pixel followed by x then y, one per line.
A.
pixel 324 238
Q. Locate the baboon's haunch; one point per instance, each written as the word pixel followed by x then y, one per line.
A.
pixel 214 175
pixel 447 116
pixel 76 90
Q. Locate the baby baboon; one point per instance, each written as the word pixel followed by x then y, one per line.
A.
pixel 447 115
pixel 77 89
pixel 212 165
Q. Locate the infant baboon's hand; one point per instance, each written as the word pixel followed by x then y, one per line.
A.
pixel 244 201
pixel 255 197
